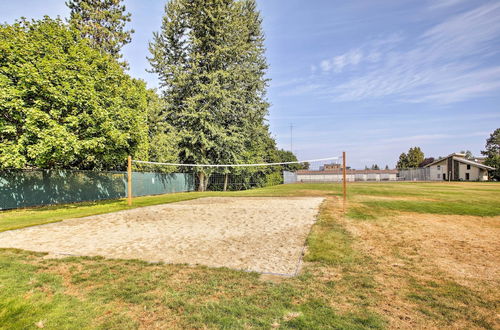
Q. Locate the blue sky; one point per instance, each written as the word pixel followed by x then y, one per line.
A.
pixel 373 78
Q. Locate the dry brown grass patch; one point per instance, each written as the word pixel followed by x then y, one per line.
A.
pixel 431 248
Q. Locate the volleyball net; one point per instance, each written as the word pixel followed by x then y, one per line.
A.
pixel 220 177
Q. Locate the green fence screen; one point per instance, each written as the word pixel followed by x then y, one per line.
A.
pixel 144 184
pixel 45 187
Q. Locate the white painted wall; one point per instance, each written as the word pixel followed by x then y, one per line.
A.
pixel 349 177
pixel 388 177
pixel 475 173
pixel 438 169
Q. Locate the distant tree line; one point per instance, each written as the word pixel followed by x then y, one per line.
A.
pixel 66 100
pixel 376 167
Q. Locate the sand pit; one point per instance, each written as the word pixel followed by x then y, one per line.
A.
pixel 256 234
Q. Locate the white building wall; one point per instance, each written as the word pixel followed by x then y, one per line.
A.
pixel 438 169
pixel 373 177
pixel 388 177
pixel 360 177
pixel 349 177
pixel 475 173
pixel 319 178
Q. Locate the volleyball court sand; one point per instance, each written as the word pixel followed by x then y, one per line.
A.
pixel 258 234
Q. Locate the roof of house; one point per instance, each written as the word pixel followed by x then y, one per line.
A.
pixel 461 158
pixel 474 163
pixel 348 172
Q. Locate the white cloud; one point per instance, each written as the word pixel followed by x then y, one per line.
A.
pixel 463 87
pixel 350 59
pixel 465 34
pixel 374 56
pixel 438 4
pixel 387 41
pixel 325 65
pixel 447 63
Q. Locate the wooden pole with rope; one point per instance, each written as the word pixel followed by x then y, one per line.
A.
pixel 129 180
pixel 344 183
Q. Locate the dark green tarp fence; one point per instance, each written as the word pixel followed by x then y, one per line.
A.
pixel 45 187
pixel 147 183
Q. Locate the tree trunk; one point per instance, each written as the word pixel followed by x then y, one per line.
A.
pixel 201 184
pixel 225 181
pixel 205 187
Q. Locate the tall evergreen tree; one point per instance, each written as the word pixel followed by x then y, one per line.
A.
pixel 162 135
pixel 412 159
pixel 102 22
pixel 415 157
pixel 209 56
pixel 402 162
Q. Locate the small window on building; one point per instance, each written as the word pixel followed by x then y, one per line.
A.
pixel 439 168
pixel 468 166
pixel 439 175
pixel 467 176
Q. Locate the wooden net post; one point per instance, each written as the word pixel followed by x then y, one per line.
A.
pixel 129 180
pixel 344 183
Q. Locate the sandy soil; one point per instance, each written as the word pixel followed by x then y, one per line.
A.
pixel 257 234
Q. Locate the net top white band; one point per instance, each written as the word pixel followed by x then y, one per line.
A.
pixel 237 165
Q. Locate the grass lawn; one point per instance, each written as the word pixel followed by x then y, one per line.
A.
pixel 402 255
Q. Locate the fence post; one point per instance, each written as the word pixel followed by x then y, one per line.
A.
pixel 129 180
pixel 344 188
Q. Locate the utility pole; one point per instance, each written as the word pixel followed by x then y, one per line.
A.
pixel 291 137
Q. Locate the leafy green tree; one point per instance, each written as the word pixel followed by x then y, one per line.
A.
pixel 102 22
pixel 288 156
pixel 415 157
pixel 492 153
pixel 412 159
pixel 64 104
pixel 209 56
pixel 402 162
pixel 162 135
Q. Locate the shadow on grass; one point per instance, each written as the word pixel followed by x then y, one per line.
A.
pixel 447 301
